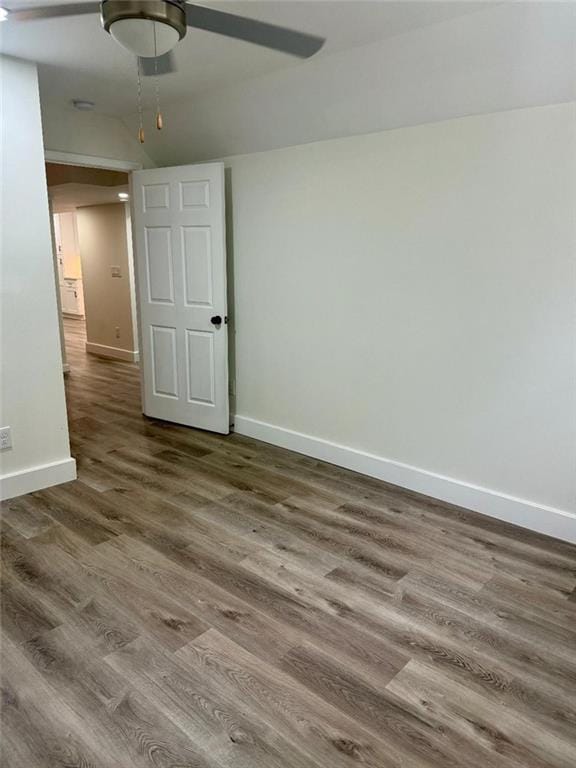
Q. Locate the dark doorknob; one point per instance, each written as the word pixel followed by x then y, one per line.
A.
pixel 216 320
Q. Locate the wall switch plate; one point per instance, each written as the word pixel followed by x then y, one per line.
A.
pixel 115 271
pixel 5 438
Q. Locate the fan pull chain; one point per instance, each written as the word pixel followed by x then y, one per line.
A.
pixel 141 129
pixel 159 121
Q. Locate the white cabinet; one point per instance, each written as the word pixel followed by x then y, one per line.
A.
pixel 66 233
pixel 58 240
pixel 72 297
pixel 69 269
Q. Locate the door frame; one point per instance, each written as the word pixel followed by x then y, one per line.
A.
pixel 109 164
pixel 90 161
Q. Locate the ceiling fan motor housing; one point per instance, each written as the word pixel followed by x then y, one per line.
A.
pixel 146 28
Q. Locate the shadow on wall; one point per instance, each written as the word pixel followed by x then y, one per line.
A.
pixel 230 289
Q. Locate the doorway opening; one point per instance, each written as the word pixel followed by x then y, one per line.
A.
pixel 95 280
pixel 169 362
pixel 94 262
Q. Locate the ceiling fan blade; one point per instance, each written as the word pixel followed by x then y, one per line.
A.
pixel 161 65
pixel 259 32
pixel 53 11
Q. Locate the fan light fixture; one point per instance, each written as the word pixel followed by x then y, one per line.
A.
pixel 139 37
pixel 146 29
pixel 149 29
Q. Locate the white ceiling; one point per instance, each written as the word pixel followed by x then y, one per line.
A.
pixel 77 59
pixel 68 197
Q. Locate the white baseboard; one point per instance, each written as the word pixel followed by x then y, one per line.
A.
pixel 37 478
pixel 114 352
pixel 548 520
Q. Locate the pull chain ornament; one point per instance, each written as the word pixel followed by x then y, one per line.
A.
pixel 141 128
pixel 159 120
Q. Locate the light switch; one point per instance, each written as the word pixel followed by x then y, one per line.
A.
pixel 116 271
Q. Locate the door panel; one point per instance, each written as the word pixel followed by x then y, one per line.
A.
pixel 195 194
pixel 164 364
pixel 159 261
pixel 156 196
pixel 178 219
pixel 200 366
pixel 196 249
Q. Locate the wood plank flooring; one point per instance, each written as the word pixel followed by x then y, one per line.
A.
pixel 214 602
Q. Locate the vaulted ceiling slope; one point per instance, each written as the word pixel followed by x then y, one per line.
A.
pixel 500 58
pixel 386 65
pixel 77 58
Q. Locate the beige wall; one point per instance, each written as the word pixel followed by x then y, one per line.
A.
pixel 31 382
pixel 404 302
pixel 102 234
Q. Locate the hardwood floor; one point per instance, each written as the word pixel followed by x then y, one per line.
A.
pixel 215 602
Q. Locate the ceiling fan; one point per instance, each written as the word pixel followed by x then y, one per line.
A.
pixel 151 28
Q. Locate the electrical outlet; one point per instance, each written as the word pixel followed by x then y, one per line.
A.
pixel 5 438
pixel 117 332
pixel 115 271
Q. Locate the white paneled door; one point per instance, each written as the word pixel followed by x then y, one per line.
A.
pixel 180 257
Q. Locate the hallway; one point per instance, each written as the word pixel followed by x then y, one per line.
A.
pixel 215 602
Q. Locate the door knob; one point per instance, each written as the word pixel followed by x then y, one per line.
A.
pixel 216 320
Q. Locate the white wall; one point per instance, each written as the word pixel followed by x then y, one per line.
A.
pixel 410 295
pixel 32 389
pixel 404 300
pixel 91 133
pixel 499 58
pixel 102 237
